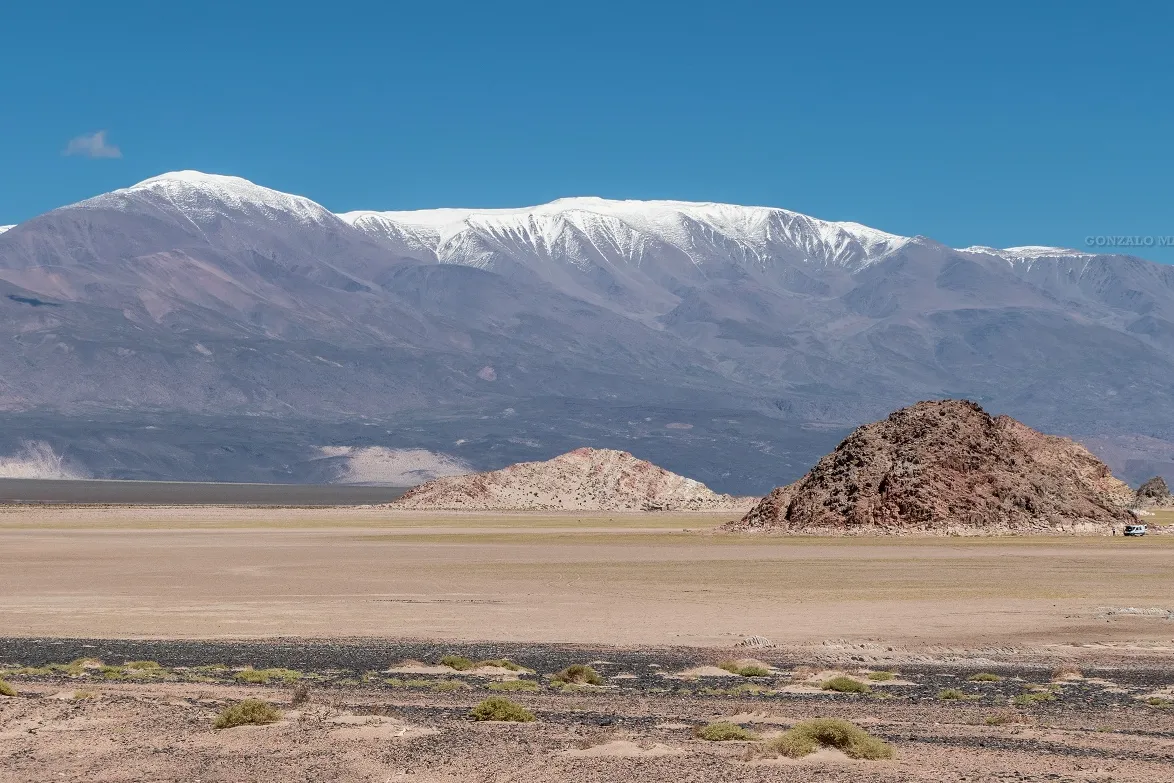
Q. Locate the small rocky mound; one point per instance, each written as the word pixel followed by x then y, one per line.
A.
pixel 1153 492
pixel 581 480
pixel 948 467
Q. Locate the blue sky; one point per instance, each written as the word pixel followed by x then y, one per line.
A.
pixel 994 123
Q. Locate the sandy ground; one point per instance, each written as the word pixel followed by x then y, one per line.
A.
pixel 344 600
pixel 81 728
pixel 593 579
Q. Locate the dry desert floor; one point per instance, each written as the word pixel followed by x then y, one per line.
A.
pixel 349 612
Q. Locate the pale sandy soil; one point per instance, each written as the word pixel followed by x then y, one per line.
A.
pixel 657 600
pixel 594 579
pixel 163 732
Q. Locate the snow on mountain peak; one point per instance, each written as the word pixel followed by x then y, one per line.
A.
pixel 201 195
pixel 5 228
pixel 697 229
pixel 1023 253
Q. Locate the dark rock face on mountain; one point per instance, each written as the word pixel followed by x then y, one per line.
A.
pixel 948 467
pixel 1154 492
pixel 681 331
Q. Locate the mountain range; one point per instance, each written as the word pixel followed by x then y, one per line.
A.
pixel 197 326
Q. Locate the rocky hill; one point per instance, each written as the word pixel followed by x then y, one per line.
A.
pixel 948 467
pixel 581 480
pixel 1153 492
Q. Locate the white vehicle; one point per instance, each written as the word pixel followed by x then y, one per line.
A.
pixel 1135 530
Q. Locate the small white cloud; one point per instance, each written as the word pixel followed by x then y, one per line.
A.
pixel 92 145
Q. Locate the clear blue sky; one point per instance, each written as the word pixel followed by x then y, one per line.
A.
pixel 994 123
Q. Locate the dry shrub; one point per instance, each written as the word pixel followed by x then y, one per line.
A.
pixel 745 668
pixel 1006 717
pixel 984 677
pixel 807 736
pixel 249 711
pixel 844 684
pixel 882 676
pixel 301 695
pixel 501 708
pixel 578 674
pixel 6 689
pixel 1067 673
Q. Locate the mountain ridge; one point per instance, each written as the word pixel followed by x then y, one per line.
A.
pixel 684 330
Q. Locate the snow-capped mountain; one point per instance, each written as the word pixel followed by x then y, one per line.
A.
pixel 728 343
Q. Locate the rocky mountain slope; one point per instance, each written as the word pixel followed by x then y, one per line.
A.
pixel 582 480
pixel 682 331
pixel 948 467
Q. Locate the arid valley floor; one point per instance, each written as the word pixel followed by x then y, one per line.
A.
pixel 1078 630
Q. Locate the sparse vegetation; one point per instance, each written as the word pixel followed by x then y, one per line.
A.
pixel 807 736
pixel 1159 702
pixel 458 662
pixel 578 674
pixel 1033 697
pixel 462 664
pixel 882 676
pixel 83 695
pixel 953 694
pixel 249 711
pixel 514 685
pixel 265 676
pixel 141 666
pixel 984 677
pixel 502 663
pixel 502 709
pixel 723 731
pixel 1005 717
pixel 842 684
pixel 6 689
pixel 300 696
pixel 1067 673
pixel 745 668
pixel 448 686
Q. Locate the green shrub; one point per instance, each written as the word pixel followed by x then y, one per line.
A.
pixel 1033 697
pixel 881 676
pixel 448 686
pixel 723 731
pixel 458 662
pixel 745 669
pixel 951 694
pixel 985 677
pixel 844 684
pixel 249 711
pixel 501 708
pixel 578 674
pixel 805 738
pixel 6 689
pixel 264 676
pixel 514 685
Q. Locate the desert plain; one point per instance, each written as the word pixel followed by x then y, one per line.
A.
pixel 352 609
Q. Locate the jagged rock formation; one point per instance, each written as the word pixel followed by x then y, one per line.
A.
pixel 1153 492
pixel 582 480
pixel 948 467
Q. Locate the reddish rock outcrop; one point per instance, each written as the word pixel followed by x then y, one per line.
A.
pixel 581 480
pixel 948 467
